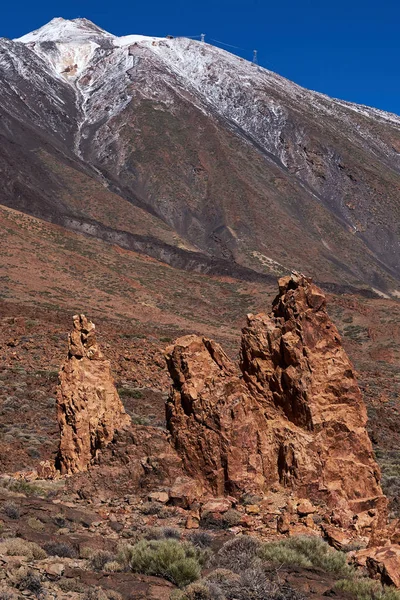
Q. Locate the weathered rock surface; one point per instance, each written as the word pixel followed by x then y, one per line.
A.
pixel 89 409
pixel 382 562
pixel 213 420
pixel 294 418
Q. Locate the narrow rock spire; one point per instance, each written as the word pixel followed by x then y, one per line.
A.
pixel 89 410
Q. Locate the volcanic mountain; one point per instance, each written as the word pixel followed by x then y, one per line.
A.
pixel 182 151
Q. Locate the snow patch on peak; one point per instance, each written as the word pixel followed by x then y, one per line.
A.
pixel 67 45
pixel 70 45
pixel 64 30
pixel 128 40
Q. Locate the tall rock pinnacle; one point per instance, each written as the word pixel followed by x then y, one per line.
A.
pixel 293 418
pixel 89 409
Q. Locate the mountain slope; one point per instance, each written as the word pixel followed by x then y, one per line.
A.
pixel 200 150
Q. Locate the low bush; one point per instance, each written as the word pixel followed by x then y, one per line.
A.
pixel 177 562
pixel 306 552
pixel 238 554
pixel 60 521
pixel 7 595
pixel 130 393
pixel 86 552
pixel 200 539
pixel 362 588
pixel 99 559
pixel 229 519
pixel 22 487
pixel 60 549
pixel 71 584
pixel 139 419
pixel 96 593
pixel 160 533
pixel 199 590
pixel 152 508
pixel 248 499
pixel 251 584
pixel 170 533
pixel 11 510
pixel 112 567
pixel 35 524
pixel 20 547
pixel 32 583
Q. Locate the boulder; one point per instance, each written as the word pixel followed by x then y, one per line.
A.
pixel 161 497
pixel 385 563
pixel 217 505
pixel 89 410
pixel 336 537
pixel 46 470
pixel 192 522
pixel 305 507
pixel 184 492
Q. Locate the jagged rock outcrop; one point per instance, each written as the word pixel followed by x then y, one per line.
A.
pixel 89 410
pixel 214 422
pixel 292 417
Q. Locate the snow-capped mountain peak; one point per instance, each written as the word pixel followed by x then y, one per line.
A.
pixel 135 106
pixel 65 30
pixel 70 45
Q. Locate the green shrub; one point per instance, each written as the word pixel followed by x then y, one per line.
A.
pixel 363 588
pixel 22 487
pixel 306 552
pixel 20 547
pixel 178 562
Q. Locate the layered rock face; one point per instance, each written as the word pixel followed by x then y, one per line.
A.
pixel 89 410
pixel 291 417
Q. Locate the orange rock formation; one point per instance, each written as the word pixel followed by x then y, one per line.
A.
pixel 292 417
pixel 89 409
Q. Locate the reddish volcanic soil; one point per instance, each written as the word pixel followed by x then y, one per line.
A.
pixel 139 306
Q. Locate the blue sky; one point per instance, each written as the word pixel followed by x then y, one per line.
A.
pixel 349 49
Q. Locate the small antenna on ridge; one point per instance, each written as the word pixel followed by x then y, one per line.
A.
pixel 202 35
pixel 255 57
